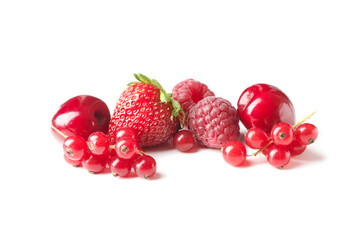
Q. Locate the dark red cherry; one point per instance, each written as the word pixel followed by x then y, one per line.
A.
pixel 263 106
pixel 82 115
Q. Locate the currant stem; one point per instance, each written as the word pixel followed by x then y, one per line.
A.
pixel 305 119
pixel 58 131
pixel 271 141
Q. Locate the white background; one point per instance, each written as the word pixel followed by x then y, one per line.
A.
pixel 51 51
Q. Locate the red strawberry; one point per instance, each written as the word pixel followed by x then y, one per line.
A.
pixel 148 109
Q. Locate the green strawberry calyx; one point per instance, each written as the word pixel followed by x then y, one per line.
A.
pixel 164 96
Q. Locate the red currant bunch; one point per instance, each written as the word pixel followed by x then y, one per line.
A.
pixel 95 153
pixel 284 142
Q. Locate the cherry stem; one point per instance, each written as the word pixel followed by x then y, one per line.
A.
pixel 271 141
pixel 58 131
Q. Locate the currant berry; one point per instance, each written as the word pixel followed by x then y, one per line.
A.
pixel 266 150
pixel 126 148
pixel 296 148
pixel 75 147
pixel 306 133
pixel 112 153
pixel 234 153
pixel 282 134
pixel 121 166
pixel 125 132
pixel 184 140
pixel 145 166
pixel 98 143
pixel 94 164
pixel 74 163
pixel 278 156
pixel 256 138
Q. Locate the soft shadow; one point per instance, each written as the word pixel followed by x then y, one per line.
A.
pixel 308 157
pixel 156 177
pixel 160 147
pixel 252 161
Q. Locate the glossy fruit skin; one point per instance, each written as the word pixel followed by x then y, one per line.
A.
pixel 282 134
pixel 145 166
pixel 306 133
pixel 256 138
pixel 98 143
pixel 121 166
pixel 125 132
pixel 278 156
pixel 263 106
pixel 82 115
pixel 139 107
pixel 184 140
pixel 74 163
pixel 126 148
pixel 94 164
pixel 296 148
pixel 267 149
pixel 234 153
pixel 75 147
pixel 214 122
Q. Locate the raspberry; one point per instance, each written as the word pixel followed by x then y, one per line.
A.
pixel 214 121
pixel 189 92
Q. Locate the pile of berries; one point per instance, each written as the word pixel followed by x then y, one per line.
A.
pixel 283 142
pixel 146 115
pixel 95 153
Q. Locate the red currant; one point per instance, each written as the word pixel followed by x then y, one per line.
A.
pixel 145 166
pixel 296 148
pixel 98 143
pixel 267 149
pixel 278 156
pixel 282 134
pixel 125 132
pixel 112 153
pixel 121 166
pixel 75 147
pixel 184 140
pixel 74 163
pixel 94 164
pixel 126 148
pixel 306 133
pixel 234 153
pixel 256 138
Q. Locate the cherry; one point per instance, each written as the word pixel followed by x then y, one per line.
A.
pixel 126 148
pixel 263 106
pixel 234 153
pixel 121 166
pixel 74 163
pixel 282 134
pixel 125 132
pixel 306 133
pixel 98 143
pixel 184 140
pixel 296 148
pixel 145 166
pixel 278 156
pixel 256 138
pixel 75 147
pixel 82 115
pixel 94 164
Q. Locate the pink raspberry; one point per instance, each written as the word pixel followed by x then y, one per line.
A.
pixel 214 121
pixel 189 92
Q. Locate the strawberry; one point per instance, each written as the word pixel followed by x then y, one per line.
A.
pixel 149 110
